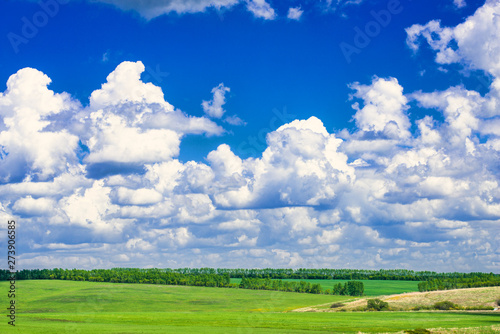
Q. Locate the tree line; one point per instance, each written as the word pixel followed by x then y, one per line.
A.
pixel 123 275
pixel 351 288
pixel 340 274
pixel 207 278
pixel 478 281
pixel 220 277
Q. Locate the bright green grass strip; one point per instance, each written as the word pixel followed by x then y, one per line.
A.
pixel 243 322
pixel 47 296
pixel 372 288
pixel 84 307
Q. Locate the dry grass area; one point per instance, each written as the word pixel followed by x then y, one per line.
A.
pixel 476 330
pixel 462 297
pixel 406 301
pixel 471 330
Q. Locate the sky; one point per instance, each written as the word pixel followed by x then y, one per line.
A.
pixel 251 133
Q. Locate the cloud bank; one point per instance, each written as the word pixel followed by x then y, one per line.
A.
pixel 102 186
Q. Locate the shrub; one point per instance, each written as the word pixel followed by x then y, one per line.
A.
pixel 480 308
pixel 336 305
pixel 377 305
pixel 421 307
pixel 360 309
pixel 418 331
pixel 446 305
pixel 498 302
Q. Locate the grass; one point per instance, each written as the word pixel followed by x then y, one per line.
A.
pixel 475 297
pixel 85 307
pixel 372 288
pixel 70 297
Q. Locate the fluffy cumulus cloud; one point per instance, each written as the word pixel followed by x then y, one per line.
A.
pixel 29 148
pixel 384 108
pixel 301 166
pixel 472 43
pixel 101 184
pixel 128 122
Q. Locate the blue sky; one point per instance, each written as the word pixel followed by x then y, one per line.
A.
pixel 358 134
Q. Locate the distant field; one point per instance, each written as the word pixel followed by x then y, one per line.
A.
pixel 85 307
pixel 372 288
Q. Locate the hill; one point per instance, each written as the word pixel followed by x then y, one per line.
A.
pixel 53 306
pixel 474 297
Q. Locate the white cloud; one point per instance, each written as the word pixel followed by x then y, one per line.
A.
pixel 178 237
pixel 225 162
pixel 476 42
pixel 181 123
pixel 294 13
pixel 329 236
pixel 29 150
pixel 152 9
pixel 124 85
pixel 238 224
pixel 261 9
pixel 92 209
pixel 460 107
pixel 115 141
pixel 386 193
pixel 137 244
pixel 301 166
pixel 213 108
pixel 125 196
pixel 34 207
pixel 384 108
pixel 130 122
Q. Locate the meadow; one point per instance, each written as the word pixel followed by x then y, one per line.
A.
pixel 372 287
pixel 53 306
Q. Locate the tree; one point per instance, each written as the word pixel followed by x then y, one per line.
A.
pixel 377 305
pixel 355 288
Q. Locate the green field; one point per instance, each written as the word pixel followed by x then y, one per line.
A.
pixel 372 288
pixel 85 307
